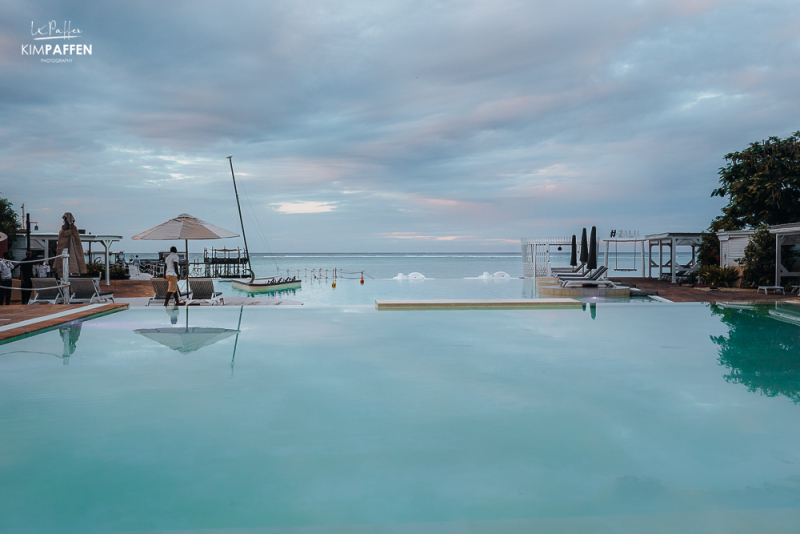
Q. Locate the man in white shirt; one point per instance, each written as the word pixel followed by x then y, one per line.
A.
pixel 5 279
pixel 42 270
pixel 171 274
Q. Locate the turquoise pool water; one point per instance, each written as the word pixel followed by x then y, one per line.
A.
pixel 669 418
pixel 351 292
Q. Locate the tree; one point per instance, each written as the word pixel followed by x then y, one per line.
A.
pixel 708 250
pixel 9 224
pixel 759 259
pixel 762 184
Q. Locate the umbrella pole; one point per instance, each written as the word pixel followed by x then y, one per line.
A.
pixel 238 328
pixel 186 242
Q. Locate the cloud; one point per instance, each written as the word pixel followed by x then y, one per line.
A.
pixel 411 235
pixel 304 206
pixel 448 120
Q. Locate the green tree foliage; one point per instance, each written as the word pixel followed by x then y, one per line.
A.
pixel 708 250
pixel 762 184
pixel 762 353
pixel 9 224
pixel 759 259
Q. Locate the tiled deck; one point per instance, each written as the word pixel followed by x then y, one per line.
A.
pixel 40 317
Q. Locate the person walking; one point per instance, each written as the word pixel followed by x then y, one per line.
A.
pixel 42 270
pixel 26 276
pixel 171 274
pixel 6 279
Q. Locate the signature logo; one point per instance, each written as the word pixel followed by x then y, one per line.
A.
pixel 52 30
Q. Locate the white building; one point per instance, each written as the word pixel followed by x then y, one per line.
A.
pixel 731 246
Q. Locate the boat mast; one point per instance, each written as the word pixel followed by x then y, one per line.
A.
pixel 244 236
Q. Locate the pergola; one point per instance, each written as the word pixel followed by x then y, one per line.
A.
pixel 673 241
pixel 785 234
pixel 43 240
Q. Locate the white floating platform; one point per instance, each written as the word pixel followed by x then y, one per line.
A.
pixel 476 304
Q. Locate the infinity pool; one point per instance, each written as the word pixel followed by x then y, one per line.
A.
pixel 669 418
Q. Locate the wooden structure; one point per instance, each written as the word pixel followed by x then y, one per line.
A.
pixel 785 234
pixel 43 245
pixel 673 241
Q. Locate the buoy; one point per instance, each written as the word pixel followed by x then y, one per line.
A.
pixel 333 284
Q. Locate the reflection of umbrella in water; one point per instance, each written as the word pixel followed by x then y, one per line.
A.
pixel 187 339
pixel 70 334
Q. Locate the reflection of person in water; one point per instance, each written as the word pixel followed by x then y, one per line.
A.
pixel 69 335
pixel 762 354
pixel 173 314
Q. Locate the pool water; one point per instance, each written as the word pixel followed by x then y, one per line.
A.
pixel 669 418
pixel 352 292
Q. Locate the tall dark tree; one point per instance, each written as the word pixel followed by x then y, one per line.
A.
pixel 9 224
pixel 762 184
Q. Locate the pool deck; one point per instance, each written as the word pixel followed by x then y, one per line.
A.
pixel 20 321
pixel 685 293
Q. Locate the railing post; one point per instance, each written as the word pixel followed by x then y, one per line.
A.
pixel 65 275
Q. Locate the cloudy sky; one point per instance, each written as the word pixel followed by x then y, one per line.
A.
pixel 391 126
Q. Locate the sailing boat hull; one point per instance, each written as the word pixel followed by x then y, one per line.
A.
pixel 265 285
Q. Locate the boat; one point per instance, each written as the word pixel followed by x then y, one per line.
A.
pixel 253 284
pixel 266 285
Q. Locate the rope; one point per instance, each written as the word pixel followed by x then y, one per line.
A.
pixel 37 288
pixel 40 260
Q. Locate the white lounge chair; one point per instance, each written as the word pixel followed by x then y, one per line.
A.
pixel 202 290
pixel 47 291
pixel 595 274
pixel 595 278
pixel 88 290
pixel 160 291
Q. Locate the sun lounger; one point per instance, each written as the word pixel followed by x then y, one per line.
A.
pixel 47 291
pixel 160 290
pixel 567 270
pixel 88 290
pixel 597 273
pixel 773 288
pixel 594 278
pixel 580 282
pixel 203 291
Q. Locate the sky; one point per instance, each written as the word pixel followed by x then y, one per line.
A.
pixel 390 126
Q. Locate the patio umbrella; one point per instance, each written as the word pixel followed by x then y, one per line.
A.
pixel 584 248
pixel 593 250
pixel 185 227
pixel 573 257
